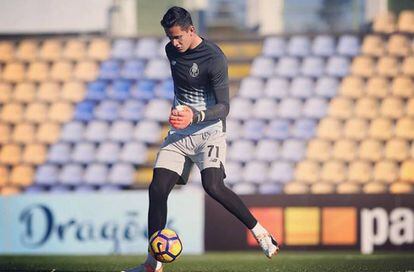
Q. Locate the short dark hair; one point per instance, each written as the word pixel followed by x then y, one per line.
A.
pixel 177 16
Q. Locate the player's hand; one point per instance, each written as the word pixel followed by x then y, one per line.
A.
pixel 181 117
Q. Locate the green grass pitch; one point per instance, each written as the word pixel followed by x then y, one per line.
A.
pixel 221 262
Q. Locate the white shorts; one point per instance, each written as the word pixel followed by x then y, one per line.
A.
pixel 179 152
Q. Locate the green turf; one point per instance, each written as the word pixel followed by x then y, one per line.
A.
pixel 221 262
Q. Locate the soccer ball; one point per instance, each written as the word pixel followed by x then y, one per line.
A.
pixel 165 245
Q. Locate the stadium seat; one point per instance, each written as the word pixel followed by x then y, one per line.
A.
pixel 6 51
pixel 60 112
pixel 61 70
pixel 348 45
pixel 233 129
pixel 401 188
pixel 286 67
pixel 73 91
pixel 38 71
pixel 51 50
pixel 348 188
pixel 144 89
pixel 5 133
pixel 22 175
pixel 278 129
pixel 157 69
pixel 5 92
pixel 293 150
pixel 296 188
pixel 145 48
pixel 377 87
pixel 384 22
pixel 158 110
pixel 59 153
pixel 329 129
pixel 4 176
pixel 267 150
pixel 322 188
pixel 360 172
pixel 110 69
pixel 72 132
pixel 83 153
pixel 341 108
pixel 270 189
pixel 405 128
pixel 299 46
pixel 276 87
pixel 121 131
pixel 36 112
pixel 251 87
pixel 407 66
pixel 253 129
pixel 119 90
pixel 392 107
pixel 255 172
pixel 241 151
pixel 326 87
pixel 9 191
pixel 48 92
pixel 374 188
pixel 71 174
pixel 371 150
pixel 95 174
pixel 402 86
pixel 397 149
pixel 96 131
pixel 24 92
pixel 265 108
pixel 107 110
pixel 407 171
pixel 23 133
pixel 373 45
pixel 12 113
pixel 132 110
pixel 262 67
pixel 14 72
pixel 302 87
pixel 307 171
pixel 122 174
pixel 48 133
pixel 84 111
pixel 333 172
pixel 165 89
pixel 107 152
pixel 148 131
pixel 274 47
pixel 409 108
pixel 381 129
pixel 133 69
pixel 290 108
pixel 313 66
pixel 323 45
pixel 303 129
pixel 344 150
pixel 134 153
pixel 281 172
pixel 34 154
pixel 143 176
pixel 386 171
pixel 319 150
pixel 388 66
pixel 398 45
pixel 86 70
pixel 352 87
pixel 366 108
pixel 244 188
pixel 406 21
pixel 337 66
pixel 122 49
pixel 74 49
pixel 233 172
pixel 98 49
pixel 363 66
pixel 27 50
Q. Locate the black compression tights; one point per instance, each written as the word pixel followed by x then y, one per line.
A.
pixel 212 179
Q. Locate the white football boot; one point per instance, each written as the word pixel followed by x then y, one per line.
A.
pixel 268 243
pixel 143 268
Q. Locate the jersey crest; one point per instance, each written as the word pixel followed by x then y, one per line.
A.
pixel 194 71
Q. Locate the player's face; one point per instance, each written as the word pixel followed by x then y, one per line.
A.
pixel 180 38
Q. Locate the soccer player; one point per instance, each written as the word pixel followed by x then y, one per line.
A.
pixel 197 134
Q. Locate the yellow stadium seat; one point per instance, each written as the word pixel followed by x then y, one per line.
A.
pixel 61 70
pixel 74 49
pixel 27 50
pixel 398 45
pixel 377 87
pixel 371 150
pixel 22 175
pixel 384 22
pixel 9 191
pixel 14 72
pixel 360 172
pixel 152 153
pixel 48 91
pixel 397 149
pixel 5 133
pixel 164 132
pixel 48 133
pixel 36 112
pixel 407 171
pixel 401 188
pixel 363 66
pixel 375 188
pixel 10 154
pixel 406 21
pixel 318 150
pixel 405 128
pixel 341 107
pixel 367 108
pixel 5 92
pixel 373 45
pixel 322 188
pixel 381 129
pixel 99 49
pixel 333 172
pixel 73 91
pixel 352 86
pixel 34 154
pixel 25 92
pixel 402 86
pixel 407 66
pixel 60 112
pixel 388 66
pixel 6 51
pixel 4 175
pixel 307 171
pixel 51 50
pixel 296 188
pixel 386 171
pixel 344 150
pixel 86 70
pixel 329 129
pixel 348 188
pixel 392 107
pixel 12 113
pixel 143 176
pixel 409 108
pixel 23 133
pixel 38 71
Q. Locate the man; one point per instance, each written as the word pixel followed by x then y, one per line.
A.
pixel 197 135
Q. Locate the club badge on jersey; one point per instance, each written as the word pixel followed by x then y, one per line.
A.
pixel 194 71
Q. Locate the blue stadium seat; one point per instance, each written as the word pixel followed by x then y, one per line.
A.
pixel 34 190
pixel 290 108
pixel 315 108
pixel 148 131
pixel 233 129
pixel 323 45
pixel 107 152
pixel 303 129
pixel 281 171
pixel 122 49
pixel 326 87
pixel 274 47
pixel 293 150
pixel 262 67
pixel 71 174
pixel 313 66
pixel 134 152
pixel 157 69
pixel 144 89
pixel 299 46
pixel 132 110
pixel 107 110
pixel 46 174
pixel 302 87
pixel 122 174
pixel 288 67
pixel 233 172
pixel 110 69
pixel 146 48
pixel 84 111
pixel 119 90
pixel 267 150
pixel 109 188
pixel 255 172
pixel 121 131
pixel 72 132
pixel 240 108
pixel 133 69
pixel 251 87
pixel 270 188
pixel 278 129
pixel 84 189
pixel 165 89
pixel 265 108
pixel 244 188
pixel 277 87
pixel 241 151
pixel 96 90
pixel 59 153
pixel 348 45
pixel 253 129
pixel 158 110
pixel 337 66
pixel 83 152
pixel 96 131
pixel 96 174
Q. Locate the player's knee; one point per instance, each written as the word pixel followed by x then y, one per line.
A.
pixel 212 181
pixel 162 183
